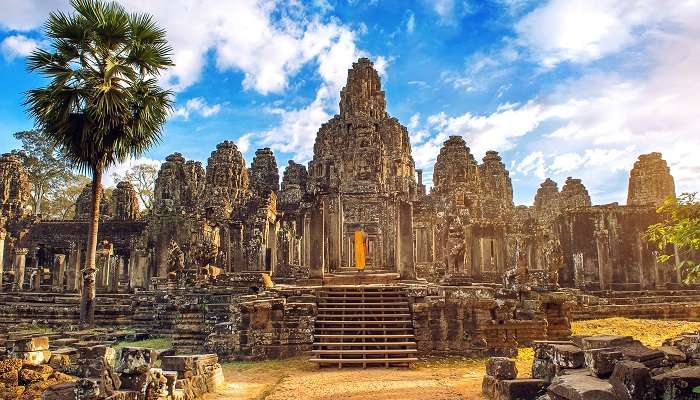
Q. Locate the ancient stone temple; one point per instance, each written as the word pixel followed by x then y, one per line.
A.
pixel 231 261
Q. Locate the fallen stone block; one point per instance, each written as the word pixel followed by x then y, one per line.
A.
pixel 688 343
pixel 34 373
pixel 567 356
pixel 488 386
pixel 543 369
pixel 677 384
pixel 38 343
pixel 520 389
pixel 580 387
pixel 631 380
pixel 33 357
pixel 603 341
pixel 135 360
pixel 543 348
pixel 602 361
pixel 501 368
pixel 60 391
pixel 672 355
pixel 636 351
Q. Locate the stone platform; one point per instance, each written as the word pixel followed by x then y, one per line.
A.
pixel 361 278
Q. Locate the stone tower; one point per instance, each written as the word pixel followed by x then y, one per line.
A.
pixel 496 185
pixel 263 173
pixel 179 184
pixel 456 177
pixel 294 183
pixel 15 188
pixel 574 195
pixel 83 205
pixel 650 181
pixel 547 199
pixel 227 184
pixel 361 174
pixel 125 202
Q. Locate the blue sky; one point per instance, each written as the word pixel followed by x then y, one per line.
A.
pixel 559 88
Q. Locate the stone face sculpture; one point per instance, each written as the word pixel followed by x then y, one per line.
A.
pixel 650 181
pixel 176 258
pixel 15 188
pixel 125 202
pixel 264 175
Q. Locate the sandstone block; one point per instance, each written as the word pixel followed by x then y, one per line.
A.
pixel 672 355
pixel 567 356
pixel 543 348
pixel 580 387
pixel 135 360
pixel 501 368
pixel 37 343
pixel 603 341
pixel 543 369
pixel 602 361
pixel 60 391
pixel 488 386
pixel 34 357
pixel 677 384
pixel 519 389
pixel 631 380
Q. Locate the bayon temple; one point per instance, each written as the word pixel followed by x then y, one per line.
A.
pixel 235 261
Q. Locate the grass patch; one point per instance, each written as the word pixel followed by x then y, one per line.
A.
pixel 158 343
pixel 650 332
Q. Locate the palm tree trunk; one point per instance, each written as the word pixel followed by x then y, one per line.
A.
pixel 87 301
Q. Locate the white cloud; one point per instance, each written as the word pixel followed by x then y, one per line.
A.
pixel 17 46
pixel 197 105
pixel 268 42
pixel 411 22
pixel 581 31
pixel 532 163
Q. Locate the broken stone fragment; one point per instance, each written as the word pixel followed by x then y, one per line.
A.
pixel 677 384
pixel 501 368
pixel 543 369
pixel 580 387
pixel 543 348
pixel 567 356
pixel 602 361
pixel 672 355
pixel 38 343
pixel 135 360
pixel 603 341
pixel 519 389
pixel 631 380
pixel 488 386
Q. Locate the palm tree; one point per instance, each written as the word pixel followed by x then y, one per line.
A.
pixel 102 103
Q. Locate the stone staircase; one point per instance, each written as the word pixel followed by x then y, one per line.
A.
pixel 363 325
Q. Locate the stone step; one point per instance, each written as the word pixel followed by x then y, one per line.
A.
pixel 365 337
pixel 366 304
pixel 365 344
pixel 341 361
pixel 365 329
pixel 376 315
pixel 335 322
pixel 362 309
pixel 361 352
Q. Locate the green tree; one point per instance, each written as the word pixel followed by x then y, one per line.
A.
pixel 143 178
pixel 46 167
pixel 61 199
pixel 678 235
pixel 102 103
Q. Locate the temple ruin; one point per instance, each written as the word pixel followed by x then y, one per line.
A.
pixel 232 261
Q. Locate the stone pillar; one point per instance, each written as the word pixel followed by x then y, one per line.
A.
pixel 316 242
pixel 332 209
pixel 19 264
pixel 605 272
pixel 35 281
pixel 3 233
pixel 74 261
pixel 58 272
pixel 104 258
pixel 113 281
pixel 406 265
pixel 579 271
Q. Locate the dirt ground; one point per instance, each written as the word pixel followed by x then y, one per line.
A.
pixel 432 379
